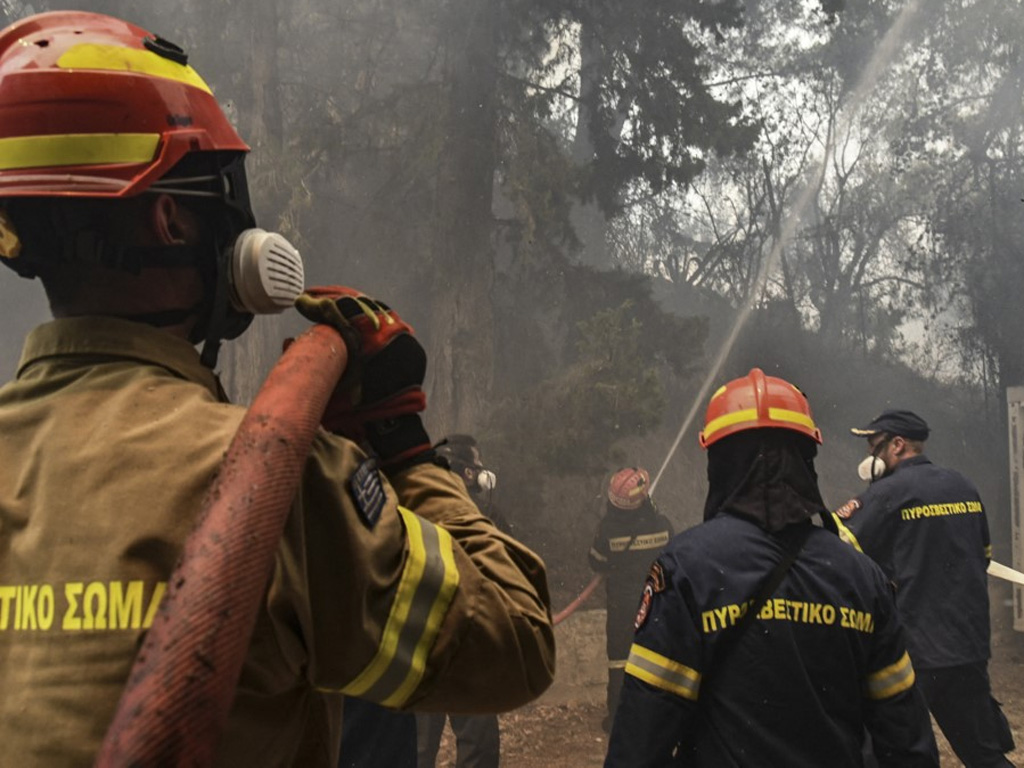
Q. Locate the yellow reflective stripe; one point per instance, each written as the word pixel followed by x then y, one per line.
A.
pixel 728 420
pixel 638 543
pixel 115 58
pixel 988 552
pixel 425 591
pixel 791 417
pixel 661 672
pixel 891 680
pixel 77 149
pixel 846 534
pixel 598 556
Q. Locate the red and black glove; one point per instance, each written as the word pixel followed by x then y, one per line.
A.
pixel 380 396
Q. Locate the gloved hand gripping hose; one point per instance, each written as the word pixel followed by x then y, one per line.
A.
pixel 181 687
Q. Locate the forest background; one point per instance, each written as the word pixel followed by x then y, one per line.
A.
pixel 595 211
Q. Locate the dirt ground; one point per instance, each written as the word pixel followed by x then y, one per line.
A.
pixel 570 735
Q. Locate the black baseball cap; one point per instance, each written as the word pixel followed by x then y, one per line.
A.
pixel 903 423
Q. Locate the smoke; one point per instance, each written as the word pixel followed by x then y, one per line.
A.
pixel 24 307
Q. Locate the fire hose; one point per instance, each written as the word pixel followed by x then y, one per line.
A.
pixel 179 693
pixel 581 598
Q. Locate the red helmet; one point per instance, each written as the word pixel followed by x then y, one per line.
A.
pixel 628 488
pixel 92 106
pixel 756 401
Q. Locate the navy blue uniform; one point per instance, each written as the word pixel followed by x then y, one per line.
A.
pixel 824 659
pixel 925 526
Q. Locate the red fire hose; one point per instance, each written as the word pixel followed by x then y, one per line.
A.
pixel 181 687
pixel 588 590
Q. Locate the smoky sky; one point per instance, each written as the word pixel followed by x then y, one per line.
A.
pixel 24 307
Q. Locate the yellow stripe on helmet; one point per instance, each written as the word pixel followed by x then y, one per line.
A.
pixel 729 420
pixel 791 417
pixel 116 58
pixel 19 152
pixel 425 591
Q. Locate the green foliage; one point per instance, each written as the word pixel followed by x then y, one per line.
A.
pixel 600 355
pixel 610 391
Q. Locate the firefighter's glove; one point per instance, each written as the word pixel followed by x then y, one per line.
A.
pixel 380 396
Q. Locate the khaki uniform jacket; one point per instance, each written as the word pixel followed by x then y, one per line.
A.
pixel 112 433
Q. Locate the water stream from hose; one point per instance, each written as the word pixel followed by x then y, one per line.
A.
pixel 880 61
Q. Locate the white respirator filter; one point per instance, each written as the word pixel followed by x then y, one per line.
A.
pixel 870 469
pixel 486 480
pixel 266 273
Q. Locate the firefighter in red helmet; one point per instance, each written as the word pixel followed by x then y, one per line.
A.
pixel 122 188
pixel 761 638
pixel 630 535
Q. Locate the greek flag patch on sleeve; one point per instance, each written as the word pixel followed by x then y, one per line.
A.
pixel 367 492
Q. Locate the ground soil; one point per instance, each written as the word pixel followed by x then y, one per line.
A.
pixel 570 735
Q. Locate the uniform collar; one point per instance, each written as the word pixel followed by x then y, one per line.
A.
pixel 115 338
pixel 913 461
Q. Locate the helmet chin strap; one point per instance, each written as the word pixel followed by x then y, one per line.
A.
pixel 223 321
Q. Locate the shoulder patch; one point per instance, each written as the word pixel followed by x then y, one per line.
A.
pixel 654 584
pixel 645 606
pixel 848 509
pixel 656 578
pixel 367 492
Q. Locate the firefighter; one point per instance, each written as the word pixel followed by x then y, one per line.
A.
pixel 925 526
pixel 122 188
pixel 629 536
pixel 477 737
pixel 761 639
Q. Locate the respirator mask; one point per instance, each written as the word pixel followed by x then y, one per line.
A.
pixel 872 467
pixel 260 273
pixel 480 480
pixel 486 480
pixel 266 274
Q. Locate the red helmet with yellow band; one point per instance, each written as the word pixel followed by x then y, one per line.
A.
pixel 756 401
pixel 628 488
pixel 92 106
pixel 96 108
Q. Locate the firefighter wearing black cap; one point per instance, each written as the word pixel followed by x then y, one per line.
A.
pixel 761 639
pixel 925 526
pixel 630 535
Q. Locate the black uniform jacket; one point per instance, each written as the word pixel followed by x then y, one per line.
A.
pixel 625 545
pixel 823 660
pixel 926 526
